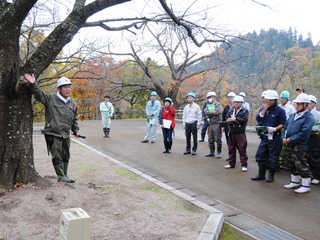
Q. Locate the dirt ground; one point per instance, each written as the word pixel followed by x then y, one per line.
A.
pixel 121 205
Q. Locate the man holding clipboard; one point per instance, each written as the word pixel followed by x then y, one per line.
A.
pixel 167 122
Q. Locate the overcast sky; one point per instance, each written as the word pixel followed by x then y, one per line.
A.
pixel 240 16
pixel 244 15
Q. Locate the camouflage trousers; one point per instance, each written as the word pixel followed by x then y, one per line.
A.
pixel 296 161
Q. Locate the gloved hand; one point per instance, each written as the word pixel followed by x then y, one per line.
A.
pixel 271 129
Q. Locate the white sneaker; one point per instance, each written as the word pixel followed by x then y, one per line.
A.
pixel 315 181
pixel 244 169
pixel 228 166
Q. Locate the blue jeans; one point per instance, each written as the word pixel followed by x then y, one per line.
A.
pixel 153 128
pixel 167 134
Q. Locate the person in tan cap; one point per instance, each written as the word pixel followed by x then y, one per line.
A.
pixel 300 90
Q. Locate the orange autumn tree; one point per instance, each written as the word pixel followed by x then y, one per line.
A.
pixel 91 85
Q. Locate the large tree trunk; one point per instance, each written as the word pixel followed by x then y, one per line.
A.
pixel 16 145
pixel 16 118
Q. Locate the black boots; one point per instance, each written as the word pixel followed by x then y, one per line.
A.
pixel 211 153
pixel 167 147
pixel 270 178
pixel 261 174
pixel 202 138
pixel 219 151
pixel 106 132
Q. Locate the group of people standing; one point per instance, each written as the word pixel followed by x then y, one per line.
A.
pixel 192 118
pixel 293 129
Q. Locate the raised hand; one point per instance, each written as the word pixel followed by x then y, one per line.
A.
pixel 30 78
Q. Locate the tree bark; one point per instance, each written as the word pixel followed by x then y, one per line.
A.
pixel 16 118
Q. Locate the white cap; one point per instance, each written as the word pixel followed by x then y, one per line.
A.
pixel 231 94
pixel 271 94
pixel 63 81
pixel 238 99
pixel 242 94
pixel 210 94
pixel 302 98
pixel 313 98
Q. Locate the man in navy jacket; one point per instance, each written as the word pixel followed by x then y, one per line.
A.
pixel 273 117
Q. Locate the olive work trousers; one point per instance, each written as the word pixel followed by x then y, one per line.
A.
pixel 59 148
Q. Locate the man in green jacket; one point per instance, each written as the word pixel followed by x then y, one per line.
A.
pixel 61 117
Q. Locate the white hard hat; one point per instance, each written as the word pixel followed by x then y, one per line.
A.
pixel 63 81
pixel 210 94
pixel 271 94
pixel 302 98
pixel 242 94
pixel 313 98
pixel 231 94
pixel 263 94
pixel 238 99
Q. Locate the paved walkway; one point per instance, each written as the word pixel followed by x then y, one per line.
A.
pixel 263 210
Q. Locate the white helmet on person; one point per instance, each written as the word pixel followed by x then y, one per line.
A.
pixel 271 95
pixel 231 94
pixel 242 94
pixel 211 94
pixel 63 81
pixel 238 99
pixel 302 98
pixel 313 99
